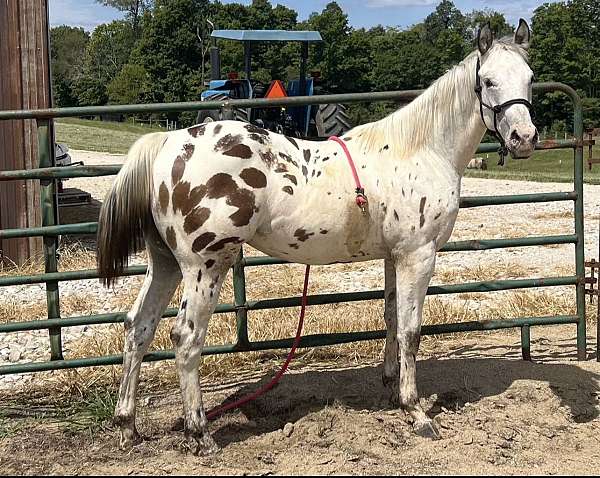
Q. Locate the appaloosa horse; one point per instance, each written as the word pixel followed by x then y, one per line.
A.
pixel 194 196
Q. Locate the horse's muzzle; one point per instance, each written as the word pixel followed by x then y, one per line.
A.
pixel 522 140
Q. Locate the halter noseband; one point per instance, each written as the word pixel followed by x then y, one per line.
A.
pixel 503 150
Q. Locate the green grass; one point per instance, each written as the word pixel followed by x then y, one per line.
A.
pixel 103 136
pixel 555 165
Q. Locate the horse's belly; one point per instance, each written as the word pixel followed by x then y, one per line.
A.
pixel 318 245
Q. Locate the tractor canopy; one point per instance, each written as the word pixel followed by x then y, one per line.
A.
pixel 267 35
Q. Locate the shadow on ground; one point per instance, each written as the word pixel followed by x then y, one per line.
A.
pixel 448 383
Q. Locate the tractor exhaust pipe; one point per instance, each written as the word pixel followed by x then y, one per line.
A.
pixel 215 63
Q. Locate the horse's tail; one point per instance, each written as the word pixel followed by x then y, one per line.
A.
pixel 126 211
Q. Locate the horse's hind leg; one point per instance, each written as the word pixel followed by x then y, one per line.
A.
pixel 202 279
pixel 140 325
pixel 413 273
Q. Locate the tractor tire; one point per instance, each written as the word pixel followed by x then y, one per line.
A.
pixel 241 114
pixel 205 116
pixel 332 120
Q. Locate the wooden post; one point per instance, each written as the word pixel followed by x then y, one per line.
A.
pixel 24 84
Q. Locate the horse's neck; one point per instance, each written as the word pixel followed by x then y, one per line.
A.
pixel 446 117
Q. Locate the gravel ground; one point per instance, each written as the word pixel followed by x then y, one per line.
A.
pixel 477 223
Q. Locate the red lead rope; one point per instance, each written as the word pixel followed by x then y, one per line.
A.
pixel 215 412
pixel 361 201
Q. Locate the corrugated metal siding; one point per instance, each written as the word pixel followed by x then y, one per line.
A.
pixel 24 84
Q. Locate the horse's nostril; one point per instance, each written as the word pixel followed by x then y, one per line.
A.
pixel 514 136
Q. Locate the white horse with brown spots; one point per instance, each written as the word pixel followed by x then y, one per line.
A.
pixel 195 196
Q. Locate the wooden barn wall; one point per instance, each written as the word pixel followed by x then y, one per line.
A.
pixel 24 84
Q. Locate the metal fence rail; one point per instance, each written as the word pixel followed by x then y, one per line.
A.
pixel 47 174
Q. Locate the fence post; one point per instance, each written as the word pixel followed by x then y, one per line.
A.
pixel 49 210
pixel 239 293
pixel 579 229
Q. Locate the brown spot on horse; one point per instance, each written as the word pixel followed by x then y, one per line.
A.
pixel 171 238
pixel 196 131
pixel 288 189
pixel 293 141
pixel 421 210
pixel 196 218
pixel 302 235
pixel 254 178
pixel 177 170
pixel 181 193
pixel 217 246
pixel 239 151
pixel 292 178
pixel 268 157
pixel 244 200
pixel 202 241
pixel 217 129
pixel 227 142
pixel 307 155
pixel 252 128
pixel 163 197
pixel 220 185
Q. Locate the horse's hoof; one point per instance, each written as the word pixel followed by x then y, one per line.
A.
pixel 427 430
pixel 129 440
pixel 202 444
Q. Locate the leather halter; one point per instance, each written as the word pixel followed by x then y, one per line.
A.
pixel 497 109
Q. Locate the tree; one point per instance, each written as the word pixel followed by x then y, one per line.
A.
pixel 108 50
pixel 477 18
pixel 67 49
pixel 169 50
pixel 446 29
pixel 133 9
pixel 130 86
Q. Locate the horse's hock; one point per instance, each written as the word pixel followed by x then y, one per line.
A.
pixel 242 307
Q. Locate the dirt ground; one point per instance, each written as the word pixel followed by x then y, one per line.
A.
pixel 497 415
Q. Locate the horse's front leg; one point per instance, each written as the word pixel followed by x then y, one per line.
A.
pixel 413 273
pixel 391 368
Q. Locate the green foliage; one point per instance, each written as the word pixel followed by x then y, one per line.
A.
pixel 107 52
pixel 566 48
pixel 130 86
pixel 67 48
pixel 133 8
pixel 155 56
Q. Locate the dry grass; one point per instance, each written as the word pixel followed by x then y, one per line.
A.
pixel 568 214
pixel 281 323
pixel 71 256
pixel 13 310
pixel 280 281
pixel 503 270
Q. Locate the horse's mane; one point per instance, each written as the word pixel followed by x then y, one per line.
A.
pixel 409 128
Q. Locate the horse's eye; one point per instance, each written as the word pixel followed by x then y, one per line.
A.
pixel 489 83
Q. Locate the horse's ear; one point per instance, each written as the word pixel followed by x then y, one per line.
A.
pixel 485 37
pixel 523 34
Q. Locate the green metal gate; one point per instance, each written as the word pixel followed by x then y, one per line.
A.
pixel 47 175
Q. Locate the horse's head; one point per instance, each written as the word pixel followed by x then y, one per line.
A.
pixel 503 86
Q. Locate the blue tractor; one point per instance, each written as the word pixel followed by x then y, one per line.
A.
pixel 299 121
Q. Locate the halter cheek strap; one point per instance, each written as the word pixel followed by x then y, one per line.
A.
pixel 497 109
